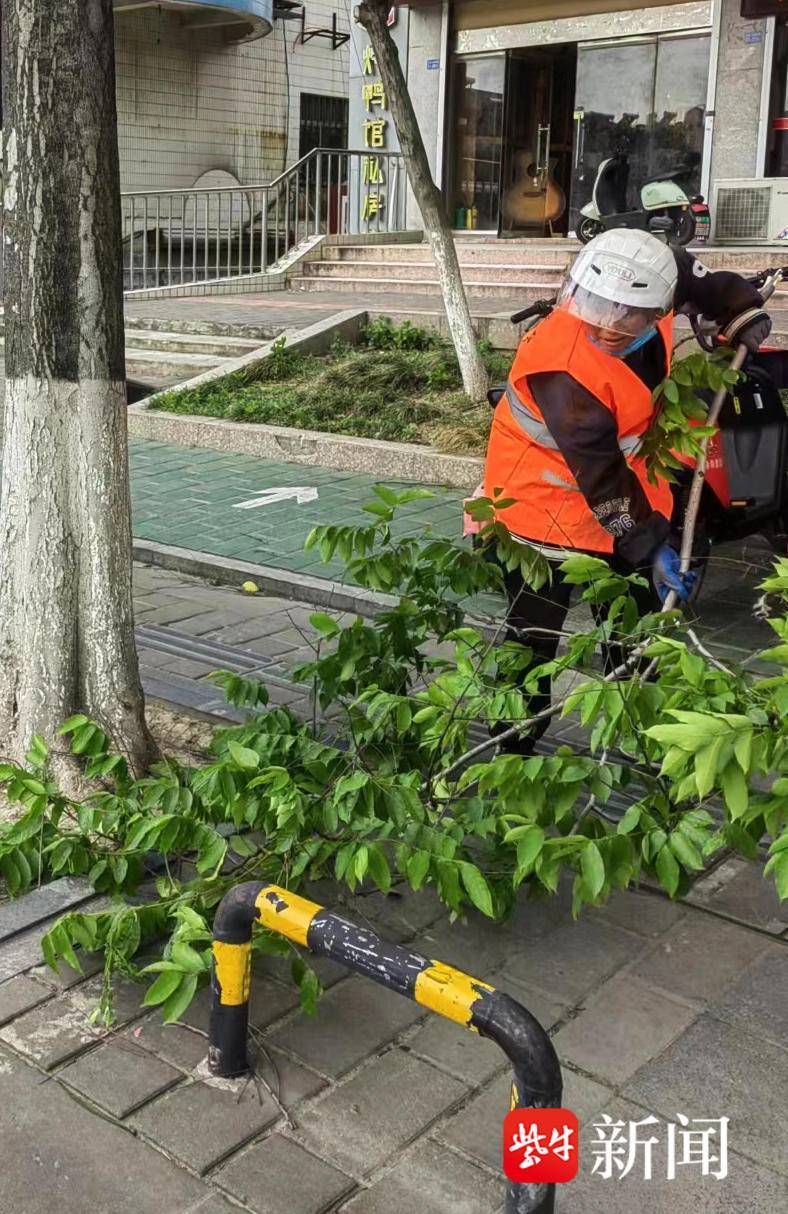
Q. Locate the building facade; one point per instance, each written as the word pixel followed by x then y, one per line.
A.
pixel 234 89
pixel 520 100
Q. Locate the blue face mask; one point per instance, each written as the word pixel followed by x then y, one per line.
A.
pixel 633 345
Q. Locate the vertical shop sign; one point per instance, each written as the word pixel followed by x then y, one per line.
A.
pixel 372 193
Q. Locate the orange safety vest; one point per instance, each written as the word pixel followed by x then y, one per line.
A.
pixel 523 458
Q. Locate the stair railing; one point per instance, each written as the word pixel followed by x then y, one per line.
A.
pixel 184 238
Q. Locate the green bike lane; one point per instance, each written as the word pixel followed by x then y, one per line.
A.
pixel 238 507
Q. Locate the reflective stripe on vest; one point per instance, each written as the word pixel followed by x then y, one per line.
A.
pixel 539 433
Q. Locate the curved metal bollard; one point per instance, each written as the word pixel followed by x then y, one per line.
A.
pixel 441 988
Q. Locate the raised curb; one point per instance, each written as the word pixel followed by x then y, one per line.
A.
pixel 42 904
pixel 282 583
pixel 343 453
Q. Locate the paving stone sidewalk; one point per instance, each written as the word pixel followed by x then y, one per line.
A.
pixel 656 1009
pixel 189 498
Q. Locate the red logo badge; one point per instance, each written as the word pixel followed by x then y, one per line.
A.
pixel 540 1146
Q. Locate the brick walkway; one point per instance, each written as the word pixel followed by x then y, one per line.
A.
pixel 656 1009
pixel 188 497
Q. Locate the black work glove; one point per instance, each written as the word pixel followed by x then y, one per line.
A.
pixel 750 328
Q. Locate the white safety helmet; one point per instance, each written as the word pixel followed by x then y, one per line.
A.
pixel 623 280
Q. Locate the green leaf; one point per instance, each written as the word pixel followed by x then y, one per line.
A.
pixel 592 867
pixel 179 1000
pixel 668 871
pixel 778 868
pixel 247 759
pixel 529 845
pixel 417 868
pixel 187 958
pixel 477 888
pixel 630 820
pixel 379 869
pixel 706 766
pixel 164 986
pixel 309 991
pixel 735 791
pixel 685 851
pixel 324 624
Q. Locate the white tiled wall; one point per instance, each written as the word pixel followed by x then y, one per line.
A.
pixel 189 103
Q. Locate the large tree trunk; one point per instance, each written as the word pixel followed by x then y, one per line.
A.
pixel 372 15
pixel 66 620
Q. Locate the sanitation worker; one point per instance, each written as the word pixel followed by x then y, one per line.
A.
pixel 566 436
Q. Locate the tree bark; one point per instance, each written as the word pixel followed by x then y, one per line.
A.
pixel 66 615
pixel 372 15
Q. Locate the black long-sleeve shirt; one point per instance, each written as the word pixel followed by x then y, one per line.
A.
pixel 585 430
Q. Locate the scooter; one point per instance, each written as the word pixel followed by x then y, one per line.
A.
pixel 658 197
pixel 746 486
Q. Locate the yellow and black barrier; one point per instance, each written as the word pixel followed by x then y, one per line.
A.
pixel 477 1006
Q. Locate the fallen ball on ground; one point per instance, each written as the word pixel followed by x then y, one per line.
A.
pixel 250 588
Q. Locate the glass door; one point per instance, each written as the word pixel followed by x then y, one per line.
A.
pixel 645 98
pixel 474 187
pixel 613 112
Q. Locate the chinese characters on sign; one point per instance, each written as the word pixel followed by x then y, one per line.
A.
pixel 373 95
pixel 541 1146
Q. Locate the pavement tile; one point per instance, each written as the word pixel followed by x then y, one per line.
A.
pixel 747 1187
pixel 119 1076
pixel 18 995
pixel 175 1044
pixel 278 1176
pixel 453 1048
pixel 623 1027
pixel 127 997
pixel 758 1001
pixel 432 1180
pixel 353 1020
pixel 568 961
pixel 64 977
pixel 700 957
pixel 739 889
pixel 52 1032
pixel 200 1124
pixel 68 1160
pixel 715 1070
pixel 643 913
pixel 367 1121
pixel 476 1129
pixel 476 947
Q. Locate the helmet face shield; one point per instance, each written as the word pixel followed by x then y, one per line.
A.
pixel 605 314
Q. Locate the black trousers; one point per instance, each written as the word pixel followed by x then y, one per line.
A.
pixel 536 617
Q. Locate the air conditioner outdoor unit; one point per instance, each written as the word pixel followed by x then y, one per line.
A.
pixel 751 210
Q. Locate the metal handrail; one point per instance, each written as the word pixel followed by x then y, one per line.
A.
pixel 182 237
pixel 536 1078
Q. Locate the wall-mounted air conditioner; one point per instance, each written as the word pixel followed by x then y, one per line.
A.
pixel 751 210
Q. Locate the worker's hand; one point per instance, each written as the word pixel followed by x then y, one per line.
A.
pixel 751 329
pixel 668 576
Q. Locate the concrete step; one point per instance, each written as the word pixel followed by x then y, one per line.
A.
pixel 204 328
pixel 503 252
pixel 159 364
pixel 514 294
pixel 419 272
pixel 193 343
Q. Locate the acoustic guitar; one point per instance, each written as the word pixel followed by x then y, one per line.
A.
pixel 535 198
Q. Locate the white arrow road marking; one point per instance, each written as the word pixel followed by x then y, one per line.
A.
pixel 267 497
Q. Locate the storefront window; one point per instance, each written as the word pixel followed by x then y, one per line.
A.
pixel 646 99
pixel 476 141
pixel 777 146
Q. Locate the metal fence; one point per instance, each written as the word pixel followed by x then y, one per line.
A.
pixel 182 237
